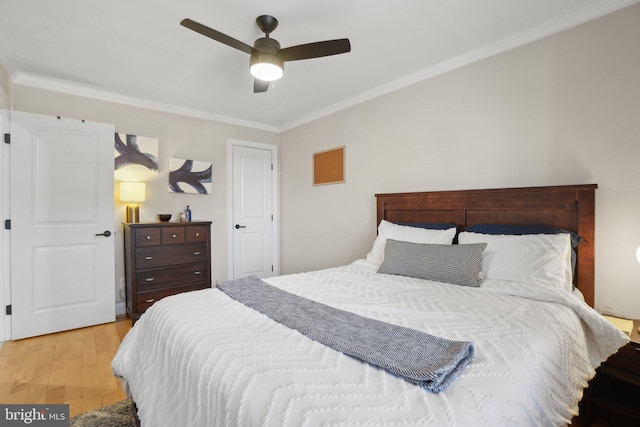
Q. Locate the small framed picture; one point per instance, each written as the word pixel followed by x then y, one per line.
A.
pixel 328 166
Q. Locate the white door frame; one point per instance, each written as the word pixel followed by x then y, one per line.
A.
pixel 5 283
pixel 275 201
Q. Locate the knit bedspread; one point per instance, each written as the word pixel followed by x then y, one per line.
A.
pixel 202 359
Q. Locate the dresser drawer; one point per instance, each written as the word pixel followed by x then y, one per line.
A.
pixel 146 299
pixel 196 234
pixel 173 235
pixel 170 276
pixel 147 237
pixel 162 256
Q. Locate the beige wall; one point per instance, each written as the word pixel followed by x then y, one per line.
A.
pixel 178 136
pixel 563 110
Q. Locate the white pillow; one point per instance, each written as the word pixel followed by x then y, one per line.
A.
pixel 535 259
pixel 404 233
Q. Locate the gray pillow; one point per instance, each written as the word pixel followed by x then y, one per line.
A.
pixel 457 264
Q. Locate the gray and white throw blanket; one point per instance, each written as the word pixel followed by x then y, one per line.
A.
pixel 429 361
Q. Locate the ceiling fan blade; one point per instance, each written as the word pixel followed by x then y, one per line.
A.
pixel 316 50
pixel 260 86
pixel 216 35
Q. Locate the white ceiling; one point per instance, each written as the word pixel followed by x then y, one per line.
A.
pixel 137 53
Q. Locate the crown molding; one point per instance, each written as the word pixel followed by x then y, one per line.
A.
pixel 27 79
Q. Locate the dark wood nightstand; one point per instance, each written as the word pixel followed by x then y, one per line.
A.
pixel 615 390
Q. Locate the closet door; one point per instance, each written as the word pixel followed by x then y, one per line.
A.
pixel 252 212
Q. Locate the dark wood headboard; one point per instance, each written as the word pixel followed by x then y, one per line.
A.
pixel 570 207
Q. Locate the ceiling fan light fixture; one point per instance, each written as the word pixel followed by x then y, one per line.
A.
pixel 267 66
pixel 267 57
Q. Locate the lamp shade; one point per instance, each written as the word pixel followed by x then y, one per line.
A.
pixel 266 66
pixel 132 191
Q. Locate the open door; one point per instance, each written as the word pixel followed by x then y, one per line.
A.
pixel 61 201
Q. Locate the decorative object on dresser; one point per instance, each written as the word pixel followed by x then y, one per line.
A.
pixel 163 259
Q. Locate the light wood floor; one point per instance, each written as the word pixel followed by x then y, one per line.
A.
pixel 71 367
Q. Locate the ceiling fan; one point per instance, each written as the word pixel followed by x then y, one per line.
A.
pixel 267 58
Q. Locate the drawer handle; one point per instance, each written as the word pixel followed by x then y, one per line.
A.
pixel 149 279
pixel 150 300
pixel 197 253
pixel 174 235
pixel 197 234
pixel 197 273
pixel 148 258
pixel 148 237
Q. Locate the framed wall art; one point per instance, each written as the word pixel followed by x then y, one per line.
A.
pixel 190 176
pixel 136 157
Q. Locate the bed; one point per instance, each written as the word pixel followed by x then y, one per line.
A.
pixel 205 359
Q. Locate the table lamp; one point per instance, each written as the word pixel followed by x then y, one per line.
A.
pixel 132 193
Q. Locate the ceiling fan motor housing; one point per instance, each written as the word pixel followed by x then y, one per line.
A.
pixel 266 63
pixel 266 23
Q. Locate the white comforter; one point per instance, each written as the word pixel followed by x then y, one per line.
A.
pixel 203 359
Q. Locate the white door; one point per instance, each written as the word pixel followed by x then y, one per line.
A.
pixel 62 249
pixel 253 213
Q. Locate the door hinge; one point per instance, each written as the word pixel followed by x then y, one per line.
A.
pixel 272 268
pixel 271 217
pixel 7 310
pixel 7 224
pixel 271 166
pixel 7 138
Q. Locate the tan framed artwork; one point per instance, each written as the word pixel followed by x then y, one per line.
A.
pixel 328 166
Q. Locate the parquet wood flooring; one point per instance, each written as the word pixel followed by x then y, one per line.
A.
pixel 71 367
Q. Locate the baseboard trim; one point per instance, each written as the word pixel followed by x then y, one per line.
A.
pixel 121 309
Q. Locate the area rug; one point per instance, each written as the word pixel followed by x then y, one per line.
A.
pixel 119 414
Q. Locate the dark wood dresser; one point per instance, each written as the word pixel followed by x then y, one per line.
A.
pixel 162 259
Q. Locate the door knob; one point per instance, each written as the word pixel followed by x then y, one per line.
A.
pixel 105 234
pixel 238 226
